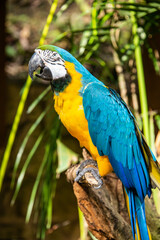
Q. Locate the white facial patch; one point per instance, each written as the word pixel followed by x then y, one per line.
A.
pixel 54 62
pixel 58 71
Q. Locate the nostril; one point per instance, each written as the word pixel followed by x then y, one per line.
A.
pixel 41 70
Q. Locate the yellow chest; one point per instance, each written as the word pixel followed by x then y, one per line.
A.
pixel 69 106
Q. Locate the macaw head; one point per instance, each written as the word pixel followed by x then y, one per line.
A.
pixel 51 62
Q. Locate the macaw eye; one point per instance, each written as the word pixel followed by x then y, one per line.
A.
pixel 45 74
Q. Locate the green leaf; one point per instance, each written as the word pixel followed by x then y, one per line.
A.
pixel 49 182
pixel 25 166
pixel 152 133
pixel 13 131
pixel 35 188
pixel 140 75
pixel 65 156
pixel 24 143
pixel 49 213
pixel 60 37
pixel 63 8
pixel 37 100
pixel 10 51
pixel 84 40
pixel 157 118
pixel 153 58
pixel 83 226
pixel 156 197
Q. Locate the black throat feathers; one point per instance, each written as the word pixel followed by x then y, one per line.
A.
pixel 60 84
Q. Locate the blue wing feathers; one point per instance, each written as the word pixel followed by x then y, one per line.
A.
pixel 132 209
pixel 137 182
pixel 115 133
pixel 112 129
pixel 143 180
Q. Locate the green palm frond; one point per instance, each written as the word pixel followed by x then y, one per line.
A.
pixel 24 143
pixel 157 118
pixel 25 166
pixel 23 100
pixel 37 100
pixel 48 186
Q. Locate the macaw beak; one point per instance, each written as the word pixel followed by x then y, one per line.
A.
pixel 35 63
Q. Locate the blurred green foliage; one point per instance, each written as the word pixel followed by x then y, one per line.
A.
pixel 92 32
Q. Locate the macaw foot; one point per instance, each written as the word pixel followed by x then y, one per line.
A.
pixel 83 169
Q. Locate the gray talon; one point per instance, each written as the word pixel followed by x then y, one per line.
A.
pixel 86 163
pixel 94 171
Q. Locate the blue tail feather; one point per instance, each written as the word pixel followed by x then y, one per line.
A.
pixel 132 213
pixel 137 210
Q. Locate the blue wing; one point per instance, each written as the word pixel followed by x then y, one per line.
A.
pixel 114 132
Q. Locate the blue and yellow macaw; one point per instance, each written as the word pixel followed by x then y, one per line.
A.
pixel 98 117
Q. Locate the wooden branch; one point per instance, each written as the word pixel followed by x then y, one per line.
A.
pixel 104 209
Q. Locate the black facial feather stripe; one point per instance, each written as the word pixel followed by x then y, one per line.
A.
pixel 60 84
pixel 50 56
pixel 54 62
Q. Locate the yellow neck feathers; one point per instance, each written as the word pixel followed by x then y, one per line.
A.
pixel 71 92
pixel 69 106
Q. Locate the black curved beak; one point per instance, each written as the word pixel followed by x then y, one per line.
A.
pixel 35 63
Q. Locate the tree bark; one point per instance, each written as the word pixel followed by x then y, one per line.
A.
pixel 105 209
